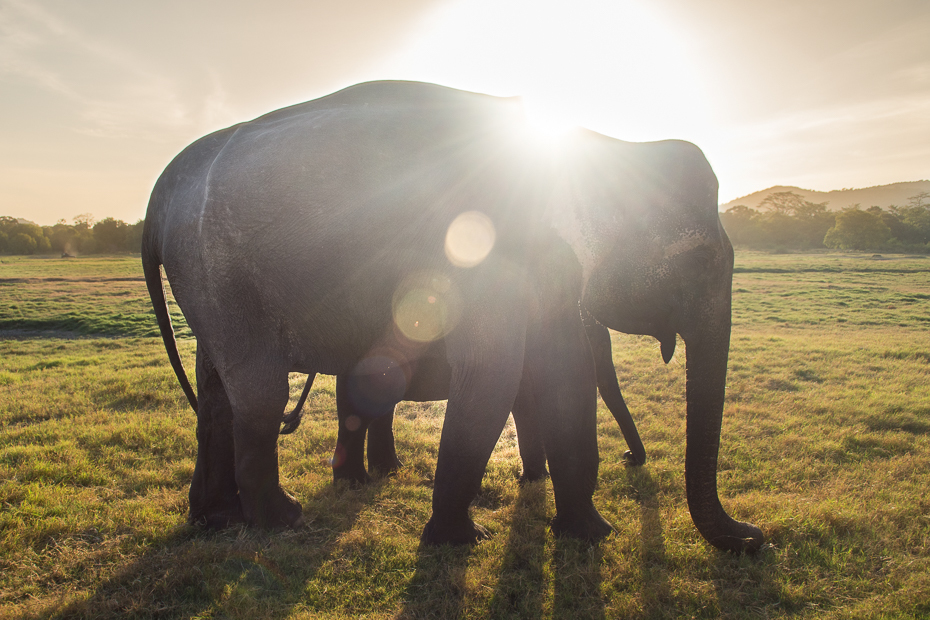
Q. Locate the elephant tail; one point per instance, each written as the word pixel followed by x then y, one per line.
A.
pixel 292 420
pixel 151 267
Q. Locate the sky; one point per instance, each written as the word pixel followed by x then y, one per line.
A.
pixel 97 96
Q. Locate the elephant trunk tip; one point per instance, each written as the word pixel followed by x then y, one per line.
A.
pixel 635 458
pixel 742 538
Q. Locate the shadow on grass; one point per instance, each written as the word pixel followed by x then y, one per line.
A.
pixel 656 592
pixel 740 582
pixel 437 589
pixel 576 568
pixel 521 585
pixel 238 572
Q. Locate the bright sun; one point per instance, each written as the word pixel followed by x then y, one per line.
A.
pixel 614 66
pixel 547 121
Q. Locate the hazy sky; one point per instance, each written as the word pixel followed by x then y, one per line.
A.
pixel 97 96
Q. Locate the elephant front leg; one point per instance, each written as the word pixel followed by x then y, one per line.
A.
pixel 214 495
pixel 560 373
pixel 481 395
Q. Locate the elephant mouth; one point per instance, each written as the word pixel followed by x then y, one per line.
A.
pixel 660 326
pixel 663 331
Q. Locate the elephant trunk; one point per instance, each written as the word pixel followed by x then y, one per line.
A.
pixel 707 352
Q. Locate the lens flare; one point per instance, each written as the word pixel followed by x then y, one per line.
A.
pixel 470 239
pixel 426 307
pixel 353 423
pixel 339 456
pixel 374 385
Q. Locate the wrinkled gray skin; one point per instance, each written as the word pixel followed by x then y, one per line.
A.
pixel 354 421
pixel 289 241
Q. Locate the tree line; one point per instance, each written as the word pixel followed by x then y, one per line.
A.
pixel 785 221
pixel 83 236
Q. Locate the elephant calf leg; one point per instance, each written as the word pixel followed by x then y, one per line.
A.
pixel 382 455
pixel 532 452
pixel 349 457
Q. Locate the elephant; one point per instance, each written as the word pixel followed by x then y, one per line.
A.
pixel 348 460
pixel 391 224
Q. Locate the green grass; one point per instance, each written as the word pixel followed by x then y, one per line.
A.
pixel 826 446
pixel 85 296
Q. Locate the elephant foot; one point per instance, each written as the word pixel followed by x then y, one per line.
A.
pixel 743 538
pixel 353 478
pixel 276 509
pixel 459 532
pixel 529 476
pixel 587 525
pixel 217 519
pixel 386 468
pixel 630 459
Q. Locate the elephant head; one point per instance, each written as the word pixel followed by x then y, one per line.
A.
pixel 657 262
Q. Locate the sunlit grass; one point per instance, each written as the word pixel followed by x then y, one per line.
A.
pixel 78 296
pixel 826 446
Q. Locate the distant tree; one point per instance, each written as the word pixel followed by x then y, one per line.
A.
pixel 912 225
pixel 813 219
pixel 786 220
pixel 110 235
pixel 134 237
pixel 83 221
pixel 856 229
pixel 740 223
pixel 13 228
pixel 787 203
pixel 778 229
pixel 920 200
pixel 21 243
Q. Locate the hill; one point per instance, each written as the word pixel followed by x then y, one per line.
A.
pixel 880 195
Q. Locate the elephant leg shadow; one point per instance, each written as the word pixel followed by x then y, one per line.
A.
pixel 437 589
pixel 578 579
pixel 521 586
pixel 657 595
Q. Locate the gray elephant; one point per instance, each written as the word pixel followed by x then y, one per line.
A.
pixel 319 237
pixel 354 421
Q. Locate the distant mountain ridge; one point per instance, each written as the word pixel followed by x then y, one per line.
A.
pixel 838 199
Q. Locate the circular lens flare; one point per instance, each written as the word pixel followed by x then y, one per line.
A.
pixel 425 306
pixel 470 239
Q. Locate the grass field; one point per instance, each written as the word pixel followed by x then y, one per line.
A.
pixel 825 446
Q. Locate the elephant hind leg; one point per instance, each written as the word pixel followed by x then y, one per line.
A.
pixel 214 494
pixel 259 393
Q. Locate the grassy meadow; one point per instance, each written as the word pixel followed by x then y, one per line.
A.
pixel 825 446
